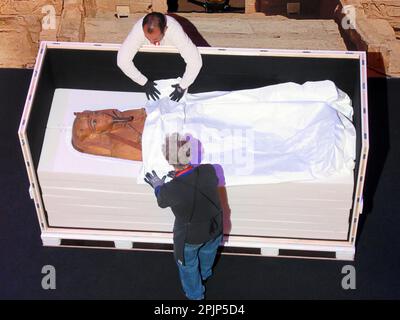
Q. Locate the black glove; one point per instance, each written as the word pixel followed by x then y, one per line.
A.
pixel 154 180
pixel 171 174
pixel 177 94
pixel 151 91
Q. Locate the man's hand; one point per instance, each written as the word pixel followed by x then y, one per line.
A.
pixel 171 174
pixel 151 91
pixel 154 180
pixel 177 94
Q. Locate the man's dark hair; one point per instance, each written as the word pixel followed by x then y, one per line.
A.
pixel 154 20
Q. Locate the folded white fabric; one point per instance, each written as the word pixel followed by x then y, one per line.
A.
pixel 278 133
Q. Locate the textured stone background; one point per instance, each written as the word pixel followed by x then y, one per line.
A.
pixel 377 27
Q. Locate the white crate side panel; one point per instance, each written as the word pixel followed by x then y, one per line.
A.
pixel 34 185
pixel 311 206
pixel 212 50
pixel 357 205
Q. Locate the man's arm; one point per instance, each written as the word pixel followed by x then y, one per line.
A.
pixel 168 195
pixel 128 50
pixel 189 53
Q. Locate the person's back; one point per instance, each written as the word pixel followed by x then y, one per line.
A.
pixel 193 197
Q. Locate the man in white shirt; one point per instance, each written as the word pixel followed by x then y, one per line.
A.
pixel 159 29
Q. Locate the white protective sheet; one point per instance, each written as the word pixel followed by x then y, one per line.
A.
pixel 278 133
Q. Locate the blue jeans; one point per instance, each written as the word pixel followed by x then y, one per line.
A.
pixel 199 259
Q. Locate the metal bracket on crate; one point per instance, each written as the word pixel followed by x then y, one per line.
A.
pixel 51 241
pixel 345 255
pixel 123 244
pixel 361 201
pixel 31 192
pixel 271 252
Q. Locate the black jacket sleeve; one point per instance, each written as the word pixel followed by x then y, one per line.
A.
pixel 168 195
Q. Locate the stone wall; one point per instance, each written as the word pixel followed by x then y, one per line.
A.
pixel 377 27
pixel 21 29
pixel 374 32
pixel 387 10
pixel 313 8
pixel 100 6
pixel 24 23
pixel 71 24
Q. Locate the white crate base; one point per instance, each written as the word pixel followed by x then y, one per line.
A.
pixel 259 247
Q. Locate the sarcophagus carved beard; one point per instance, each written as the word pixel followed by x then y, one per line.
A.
pixel 110 133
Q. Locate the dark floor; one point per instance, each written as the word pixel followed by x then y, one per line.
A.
pixel 111 274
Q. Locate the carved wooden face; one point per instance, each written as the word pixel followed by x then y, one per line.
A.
pixel 88 122
pixel 109 132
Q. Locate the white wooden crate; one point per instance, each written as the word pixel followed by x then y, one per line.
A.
pixel 308 217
